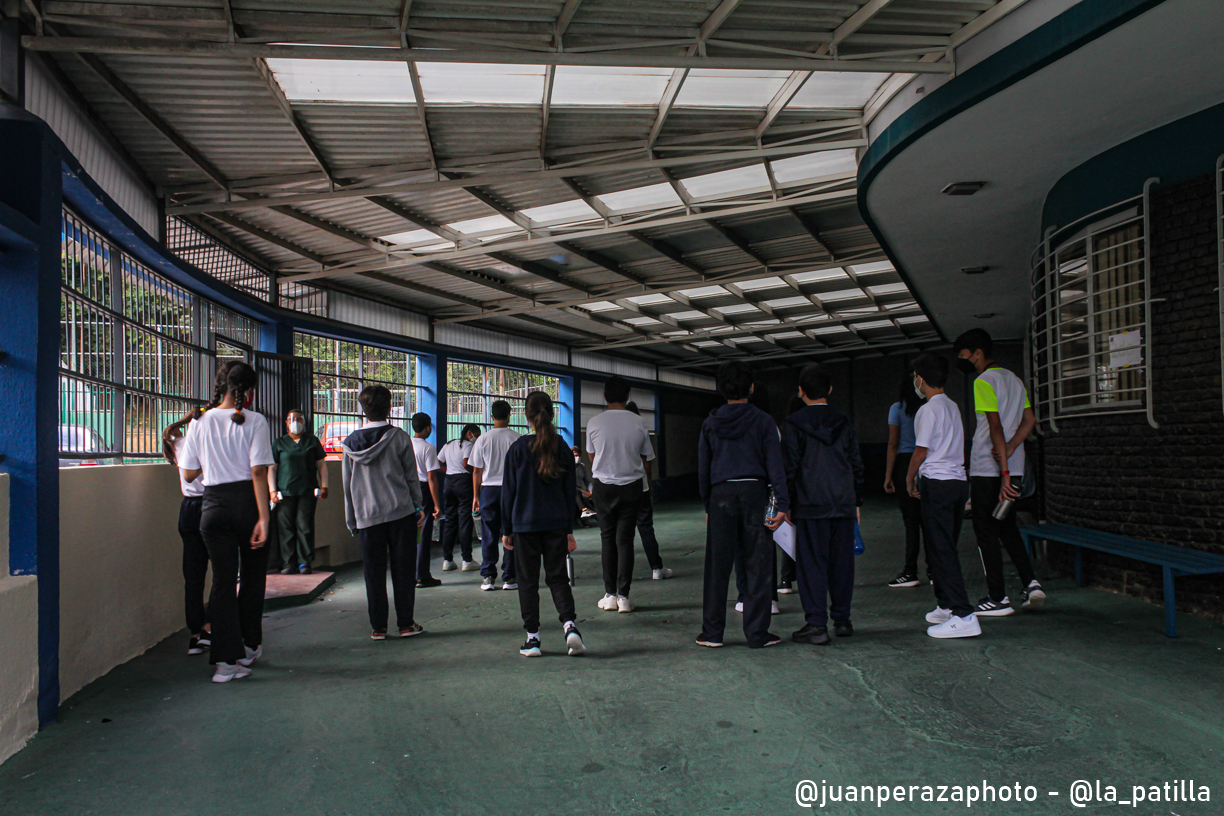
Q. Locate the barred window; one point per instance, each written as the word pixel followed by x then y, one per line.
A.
pixel 1091 331
pixel 341 370
pixel 137 351
pixel 193 245
pixel 472 389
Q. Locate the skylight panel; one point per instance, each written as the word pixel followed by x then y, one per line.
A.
pixel 783 303
pixel 596 85
pixel 887 289
pixel 485 224
pixel 687 315
pixel 815 165
pixel 913 319
pixel 600 306
pixel 650 300
pixel 318 80
pixel 787 335
pixel 706 343
pixel 818 275
pixel 830 89
pixel 874 324
pixel 460 82
pixel 561 211
pixel 844 294
pixel 703 292
pixel 828 330
pixel 739 180
pixel 872 268
pixel 760 283
pixel 715 88
pixel 736 308
pixel 749 339
pixel 640 198
pixel 641 321
pixel 413 237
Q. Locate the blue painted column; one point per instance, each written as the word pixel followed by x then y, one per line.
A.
pixel 276 338
pixel 567 412
pixel 431 393
pixel 30 199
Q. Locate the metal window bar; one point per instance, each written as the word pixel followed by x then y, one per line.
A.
pixel 1090 287
pixel 210 256
pixel 472 389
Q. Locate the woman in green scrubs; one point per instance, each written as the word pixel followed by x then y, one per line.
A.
pixel 297 481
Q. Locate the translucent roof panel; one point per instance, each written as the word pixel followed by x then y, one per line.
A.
pixel 760 283
pixel 887 289
pixel 873 324
pixel 600 306
pixel 593 85
pixel 687 315
pixel 704 291
pixel 735 308
pixel 714 88
pixel 413 237
pixel 642 321
pixel 648 300
pixel 741 179
pixel 820 274
pixel 844 294
pixel 641 198
pixel 489 222
pixel 829 89
pixel 815 165
pixel 784 303
pixel 787 335
pixel 457 82
pixel 562 211
pixel 913 319
pixel 872 268
pixel 317 80
pixel 829 330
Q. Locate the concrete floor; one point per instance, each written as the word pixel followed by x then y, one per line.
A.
pixel 456 722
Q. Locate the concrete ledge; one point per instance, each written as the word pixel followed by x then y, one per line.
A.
pixel 284 591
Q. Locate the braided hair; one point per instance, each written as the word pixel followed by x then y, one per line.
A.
pixel 239 380
pixel 539 410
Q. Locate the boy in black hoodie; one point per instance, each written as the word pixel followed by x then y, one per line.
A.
pixel 738 461
pixel 825 472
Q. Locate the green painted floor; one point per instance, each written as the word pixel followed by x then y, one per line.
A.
pixel 456 722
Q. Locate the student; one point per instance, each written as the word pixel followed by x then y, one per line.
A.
pixel 538 523
pixel 297 480
pixel 900 451
pixel 457 499
pixel 759 398
pixel 738 460
pixel 195 553
pixel 582 496
pixel 382 504
pixel 936 476
pixel 429 472
pixel 229 449
pixel 487 460
pixel 824 470
pixel 1004 421
pixel 620 448
pixel 645 519
pixel 787 569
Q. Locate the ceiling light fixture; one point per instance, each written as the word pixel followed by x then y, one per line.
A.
pixel 963 188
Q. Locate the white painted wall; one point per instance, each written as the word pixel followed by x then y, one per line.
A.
pixel 18 645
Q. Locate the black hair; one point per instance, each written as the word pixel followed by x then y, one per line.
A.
pixel 932 368
pixel 814 381
pixel 616 389
pixel 973 340
pixel 734 380
pixel 909 399
pixel 632 406
pixel 375 402
pixel 539 410
pixel 421 422
pixel 239 379
pixel 168 434
pixel 759 398
pixel 469 428
pixel 500 410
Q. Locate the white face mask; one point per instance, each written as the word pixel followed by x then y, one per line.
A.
pixel 297 427
pixel 918 390
pixel 577 459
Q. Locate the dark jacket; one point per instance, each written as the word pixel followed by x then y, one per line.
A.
pixel 528 503
pixel 823 465
pixel 740 442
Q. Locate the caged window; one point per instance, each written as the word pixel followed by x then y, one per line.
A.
pixel 137 351
pixel 1090 316
pixel 341 370
pixel 472 389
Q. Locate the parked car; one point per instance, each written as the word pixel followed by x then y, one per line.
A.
pixel 331 434
pixel 81 439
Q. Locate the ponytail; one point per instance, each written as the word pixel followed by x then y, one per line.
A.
pixel 168 434
pixel 539 410
pixel 239 380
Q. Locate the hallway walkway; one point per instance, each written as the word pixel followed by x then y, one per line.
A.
pixel 456 722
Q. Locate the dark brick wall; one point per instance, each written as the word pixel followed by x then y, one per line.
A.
pixel 1117 473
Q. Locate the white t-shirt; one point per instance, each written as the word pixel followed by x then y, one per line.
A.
pixel 225 450
pixel 452 455
pixel 489 453
pixel 426 458
pixel 999 390
pixel 618 440
pixel 938 428
pixel 189 489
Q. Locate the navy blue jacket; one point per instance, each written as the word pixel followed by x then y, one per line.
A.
pixel 528 503
pixel 740 441
pixel 823 464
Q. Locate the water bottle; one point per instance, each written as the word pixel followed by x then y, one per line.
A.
pixel 569 568
pixel 476 515
pixel 772 509
pixel 859 546
pixel 1003 508
pixel 437 530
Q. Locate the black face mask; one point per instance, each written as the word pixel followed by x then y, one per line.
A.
pixel 966 365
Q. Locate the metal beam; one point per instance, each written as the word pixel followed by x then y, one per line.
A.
pixel 550 73
pixel 419 95
pixel 856 21
pixel 270 237
pixel 716 19
pixel 986 18
pixel 567 16
pixel 299 128
pixel 168 47
pixel 665 104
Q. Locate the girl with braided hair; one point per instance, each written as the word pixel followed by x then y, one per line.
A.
pixel 229 448
pixel 195 553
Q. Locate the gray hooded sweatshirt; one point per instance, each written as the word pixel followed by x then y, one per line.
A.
pixel 380 477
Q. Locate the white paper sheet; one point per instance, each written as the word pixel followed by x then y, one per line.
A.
pixel 785 538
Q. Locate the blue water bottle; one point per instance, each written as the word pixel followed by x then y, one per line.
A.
pixel 859 546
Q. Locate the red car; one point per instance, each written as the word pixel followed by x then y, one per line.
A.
pixel 331 434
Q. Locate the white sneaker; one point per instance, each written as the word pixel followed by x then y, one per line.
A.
pixel 488 583
pixel 573 641
pixel 469 566
pixel 955 627
pixel 739 606
pixel 509 585
pixel 607 603
pixel 623 604
pixel 1033 596
pixel 229 671
pixel 773 608
pixel 251 656
pixel 448 565
pixel 660 573
pixel 938 615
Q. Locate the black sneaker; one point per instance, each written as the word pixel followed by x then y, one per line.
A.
pixel 843 628
pixel 573 641
pixel 195 647
pixel 770 640
pixel 785 588
pixel 426 583
pixel 1033 597
pixel 904 579
pixel 709 643
pixel 304 569
pixel 531 648
pixel 994 609
pixel 288 570
pixel 815 635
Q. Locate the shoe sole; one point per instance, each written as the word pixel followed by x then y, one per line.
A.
pixel 510 588
pixel 575 644
pixel 531 652
pixel 630 609
pixel 487 587
pixel 767 644
pixel 906 584
pixel 786 592
pixel 451 568
pixel 384 637
pixel 709 644
pixel 1036 600
pixel 409 633
pixel 995 613
pixel 195 651
pixel 469 569
pixel 935 621
pixel 225 678
pixel 954 635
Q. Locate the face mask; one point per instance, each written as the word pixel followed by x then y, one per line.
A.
pixel 965 365
pixel 297 427
pixel 918 390
pixel 577 459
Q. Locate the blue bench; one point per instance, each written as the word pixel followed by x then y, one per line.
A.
pixel 1173 560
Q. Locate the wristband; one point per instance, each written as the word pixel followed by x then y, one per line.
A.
pixel 1005 473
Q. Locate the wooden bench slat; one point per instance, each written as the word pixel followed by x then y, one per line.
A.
pixel 1179 558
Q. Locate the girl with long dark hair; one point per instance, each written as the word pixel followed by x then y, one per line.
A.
pixel 195 554
pixel 537 498
pixel 900 451
pixel 230 449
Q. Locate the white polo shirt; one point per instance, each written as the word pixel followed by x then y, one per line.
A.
pixel 426 458
pixel 452 455
pixel 938 428
pixel 997 389
pixel 618 440
pixel 489 453
pixel 189 489
pixel 225 450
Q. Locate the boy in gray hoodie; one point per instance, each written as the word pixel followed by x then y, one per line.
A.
pixel 382 504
